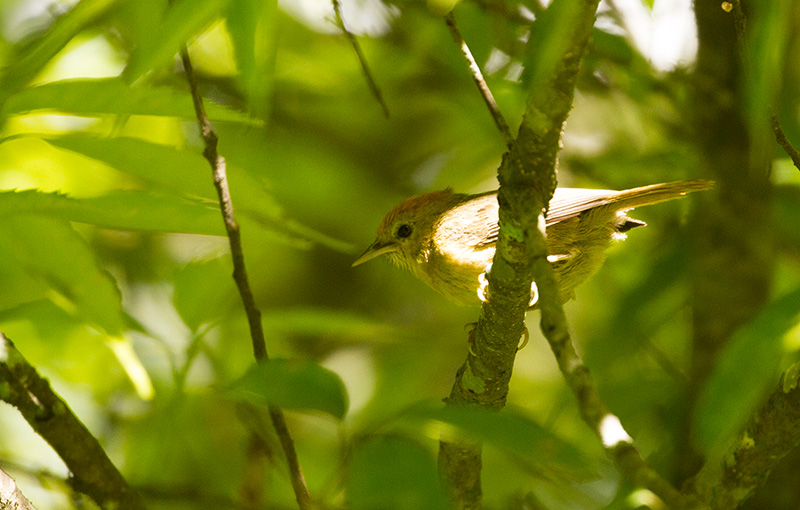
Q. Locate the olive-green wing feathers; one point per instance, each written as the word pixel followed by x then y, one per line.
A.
pixel 571 202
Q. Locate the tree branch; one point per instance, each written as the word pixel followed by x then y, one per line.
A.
pixel 93 473
pixel 219 173
pixel 527 178
pixel 784 142
pixel 768 437
pixel 362 60
pixel 477 77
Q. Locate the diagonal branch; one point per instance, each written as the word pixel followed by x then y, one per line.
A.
pixel 93 473
pixel 784 142
pixel 218 170
pixel 362 60
pixel 477 77
pixel 768 437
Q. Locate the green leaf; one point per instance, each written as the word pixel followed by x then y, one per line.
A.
pixel 392 473
pixel 183 171
pixel 747 368
pixel 178 170
pixel 203 292
pixel 58 260
pixel 33 56
pixel 150 211
pixel 112 96
pixel 14 202
pixel 315 321
pixel 184 19
pixel 51 252
pixel 513 433
pixel 18 286
pixel 292 385
pixel 123 210
pixel 187 172
pixel 252 26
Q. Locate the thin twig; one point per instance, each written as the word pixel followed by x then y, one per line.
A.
pixel 477 77
pixel 784 142
pixel 740 22
pixel 218 170
pixel 93 473
pixel 362 60
pixel 595 413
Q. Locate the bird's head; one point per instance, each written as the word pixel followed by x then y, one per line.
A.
pixel 406 230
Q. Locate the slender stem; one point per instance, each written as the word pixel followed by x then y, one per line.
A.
pixel 784 142
pixel 477 77
pixel 362 60
pixel 218 169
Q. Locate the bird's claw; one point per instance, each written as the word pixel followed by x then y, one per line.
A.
pixel 483 287
pixel 470 328
pixel 534 295
pixel 526 335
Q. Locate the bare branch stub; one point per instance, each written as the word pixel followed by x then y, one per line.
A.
pixel 784 142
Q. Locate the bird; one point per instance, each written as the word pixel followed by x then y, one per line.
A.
pixel 448 239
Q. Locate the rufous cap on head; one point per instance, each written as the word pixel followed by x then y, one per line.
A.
pixel 413 203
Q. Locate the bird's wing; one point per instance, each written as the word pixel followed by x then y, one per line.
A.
pixel 570 202
pixel 566 203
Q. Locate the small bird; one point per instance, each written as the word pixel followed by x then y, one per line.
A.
pixel 448 239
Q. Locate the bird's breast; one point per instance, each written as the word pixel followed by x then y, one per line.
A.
pixel 453 269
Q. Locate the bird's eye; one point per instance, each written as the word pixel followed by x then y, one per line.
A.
pixel 404 230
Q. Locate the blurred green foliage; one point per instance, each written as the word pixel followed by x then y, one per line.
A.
pixel 110 233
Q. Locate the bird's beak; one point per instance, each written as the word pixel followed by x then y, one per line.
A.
pixel 376 249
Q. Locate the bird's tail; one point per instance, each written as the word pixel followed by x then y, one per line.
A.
pixel 570 202
pixel 655 193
